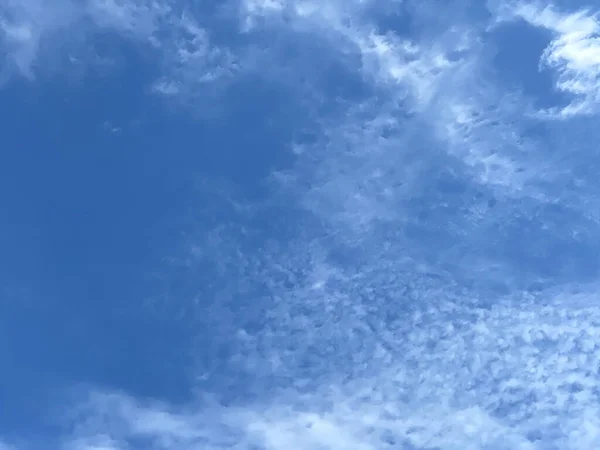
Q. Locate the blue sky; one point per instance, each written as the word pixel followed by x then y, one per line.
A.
pixel 256 224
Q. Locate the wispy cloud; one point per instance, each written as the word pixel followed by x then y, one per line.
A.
pixel 34 31
pixel 191 60
pixel 438 84
pixel 573 53
pixel 24 25
pixel 384 58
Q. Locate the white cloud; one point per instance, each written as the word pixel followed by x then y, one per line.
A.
pixel 574 54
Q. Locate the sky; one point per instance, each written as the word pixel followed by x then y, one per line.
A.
pixel 319 225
